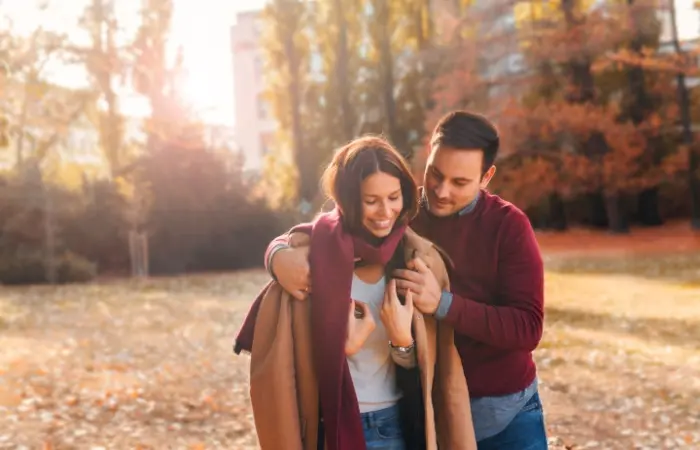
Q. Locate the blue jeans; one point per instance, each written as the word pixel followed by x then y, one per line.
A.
pixel 383 429
pixel 525 432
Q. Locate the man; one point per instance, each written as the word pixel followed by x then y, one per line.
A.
pixel 496 303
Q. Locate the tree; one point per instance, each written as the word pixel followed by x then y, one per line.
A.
pixel 638 103
pixel 287 49
pixel 341 73
pixel 155 77
pixel 577 120
pixel 106 63
pixel 354 67
pixel 684 103
pixel 36 113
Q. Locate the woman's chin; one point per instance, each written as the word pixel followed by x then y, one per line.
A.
pixel 380 231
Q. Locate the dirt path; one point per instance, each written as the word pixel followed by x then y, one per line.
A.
pixel 674 237
pixel 128 365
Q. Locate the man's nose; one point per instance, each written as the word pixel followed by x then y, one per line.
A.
pixel 441 191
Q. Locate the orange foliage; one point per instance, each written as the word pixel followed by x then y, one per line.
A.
pixel 549 152
pixel 560 133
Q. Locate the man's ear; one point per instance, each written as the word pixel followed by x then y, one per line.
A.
pixel 486 178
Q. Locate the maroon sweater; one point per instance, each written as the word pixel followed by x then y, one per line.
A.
pixel 497 291
pixel 497 284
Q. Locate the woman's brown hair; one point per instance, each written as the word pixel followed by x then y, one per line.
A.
pixel 358 160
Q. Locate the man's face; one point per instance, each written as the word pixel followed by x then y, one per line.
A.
pixel 453 179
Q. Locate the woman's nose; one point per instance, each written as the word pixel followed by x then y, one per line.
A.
pixel 385 211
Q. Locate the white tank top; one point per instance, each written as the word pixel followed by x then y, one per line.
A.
pixel 372 368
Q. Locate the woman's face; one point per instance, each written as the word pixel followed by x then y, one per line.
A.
pixel 382 203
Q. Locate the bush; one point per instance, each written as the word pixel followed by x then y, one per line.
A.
pixel 98 231
pixel 202 216
pixel 72 268
pixel 27 267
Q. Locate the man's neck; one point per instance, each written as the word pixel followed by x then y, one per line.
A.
pixel 471 206
pixel 464 211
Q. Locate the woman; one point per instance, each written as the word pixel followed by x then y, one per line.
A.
pixel 373 356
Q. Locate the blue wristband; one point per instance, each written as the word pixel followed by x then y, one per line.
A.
pixel 444 305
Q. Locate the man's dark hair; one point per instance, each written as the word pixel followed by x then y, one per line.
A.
pixel 466 130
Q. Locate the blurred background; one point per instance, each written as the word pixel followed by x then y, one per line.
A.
pixel 173 126
pixel 154 147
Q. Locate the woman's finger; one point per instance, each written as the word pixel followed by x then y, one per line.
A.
pixel 409 300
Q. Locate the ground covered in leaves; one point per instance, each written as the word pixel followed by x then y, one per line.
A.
pixel 149 365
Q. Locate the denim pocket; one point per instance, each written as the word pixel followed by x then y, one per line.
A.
pixel 389 429
pixel 534 404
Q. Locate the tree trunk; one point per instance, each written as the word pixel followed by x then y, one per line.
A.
pixel 648 207
pixel 49 236
pixel 307 178
pixel 102 62
pixel 22 125
pixel 597 210
pixel 617 216
pixel 638 110
pixel 694 182
pixel 342 72
pixel 579 68
pixel 557 213
pixel 387 76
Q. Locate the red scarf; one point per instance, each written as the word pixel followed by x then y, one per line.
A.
pixel 332 258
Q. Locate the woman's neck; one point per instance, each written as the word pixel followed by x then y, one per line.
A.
pixel 370 238
pixel 370 273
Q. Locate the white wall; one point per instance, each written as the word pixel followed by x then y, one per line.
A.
pixel 251 128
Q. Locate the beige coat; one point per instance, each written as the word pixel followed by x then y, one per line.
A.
pixel 283 386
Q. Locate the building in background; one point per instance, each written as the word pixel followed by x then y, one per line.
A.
pixel 255 125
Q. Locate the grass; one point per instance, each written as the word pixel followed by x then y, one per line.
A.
pixel 620 361
pixel 129 364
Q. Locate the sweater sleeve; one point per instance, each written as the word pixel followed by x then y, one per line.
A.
pixel 514 321
pixel 276 244
pixel 298 236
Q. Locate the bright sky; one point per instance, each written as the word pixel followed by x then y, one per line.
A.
pixel 202 27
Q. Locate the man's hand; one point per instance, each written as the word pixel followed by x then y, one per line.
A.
pixel 422 283
pixel 291 267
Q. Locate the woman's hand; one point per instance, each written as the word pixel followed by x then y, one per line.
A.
pixel 359 328
pixel 396 317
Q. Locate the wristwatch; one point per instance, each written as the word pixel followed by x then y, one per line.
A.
pixel 407 349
